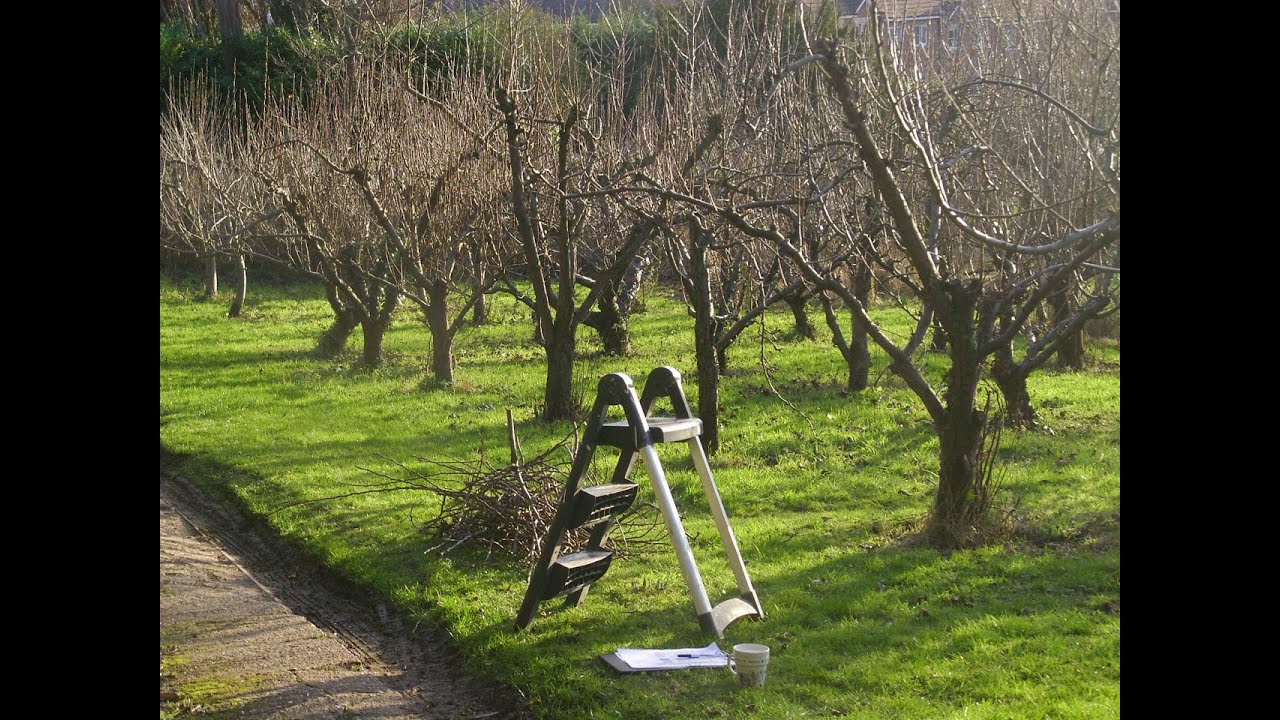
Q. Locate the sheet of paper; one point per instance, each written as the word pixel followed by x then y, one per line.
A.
pixel 675 659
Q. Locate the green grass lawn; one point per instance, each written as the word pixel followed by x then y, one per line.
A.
pixel 860 624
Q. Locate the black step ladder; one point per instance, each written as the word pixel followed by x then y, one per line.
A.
pixel 597 506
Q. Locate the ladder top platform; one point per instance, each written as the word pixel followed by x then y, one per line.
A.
pixel 661 430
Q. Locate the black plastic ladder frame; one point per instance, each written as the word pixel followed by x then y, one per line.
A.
pixel 573 574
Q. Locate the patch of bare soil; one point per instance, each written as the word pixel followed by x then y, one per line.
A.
pixel 253 628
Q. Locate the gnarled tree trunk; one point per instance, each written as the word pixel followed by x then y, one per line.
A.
pixel 373 330
pixel 437 317
pixel 956 506
pixel 629 288
pixel 854 350
pixel 335 338
pixel 859 357
pixel 1071 347
pixel 375 323
pixel 798 301
pixel 1012 381
pixel 704 342
pixel 345 320
pixel 609 321
pixel 960 500
pixel 558 397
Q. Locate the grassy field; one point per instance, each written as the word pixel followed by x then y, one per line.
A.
pixel 861 624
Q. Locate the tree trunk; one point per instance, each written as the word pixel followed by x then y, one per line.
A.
pixel 939 341
pixel 203 16
pixel 373 331
pixel 961 498
pixel 289 14
pixel 1070 353
pixel 859 356
pixel 704 342
pixel 437 316
pixel 335 338
pixel 798 302
pixel 1012 382
pixel 380 303
pixel 539 336
pixel 629 287
pixel 856 356
pixel 242 287
pixel 955 505
pixel 479 313
pixel 211 277
pixel 300 18
pixel 229 30
pixel 709 404
pixel 1018 411
pixel 345 320
pixel 442 356
pixel 610 322
pixel 859 371
pixel 722 352
pixel 558 401
pixel 1011 378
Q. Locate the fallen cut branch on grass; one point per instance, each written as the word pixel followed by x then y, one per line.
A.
pixel 504 508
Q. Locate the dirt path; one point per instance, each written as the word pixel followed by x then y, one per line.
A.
pixel 250 628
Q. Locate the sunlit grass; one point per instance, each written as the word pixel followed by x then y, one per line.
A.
pixel 819 496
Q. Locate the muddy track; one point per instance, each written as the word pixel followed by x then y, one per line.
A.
pixel 410 658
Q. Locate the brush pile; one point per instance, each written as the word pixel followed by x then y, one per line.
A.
pixel 507 509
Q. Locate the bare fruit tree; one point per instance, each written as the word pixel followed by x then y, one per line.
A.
pixel 391 193
pixel 316 160
pixel 1025 206
pixel 560 142
pixel 996 191
pixel 210 204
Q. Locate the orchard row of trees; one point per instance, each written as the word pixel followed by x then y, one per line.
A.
pixel 762 163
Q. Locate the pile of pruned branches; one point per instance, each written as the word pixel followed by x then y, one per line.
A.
pixel 507 508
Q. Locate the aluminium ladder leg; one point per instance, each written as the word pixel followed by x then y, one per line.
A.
pixel 746 591
pixel 666 381
pixel 671 516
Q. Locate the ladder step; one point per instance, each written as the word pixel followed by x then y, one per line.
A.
pixel 575 570
pixel 599 502
pixel 661 430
